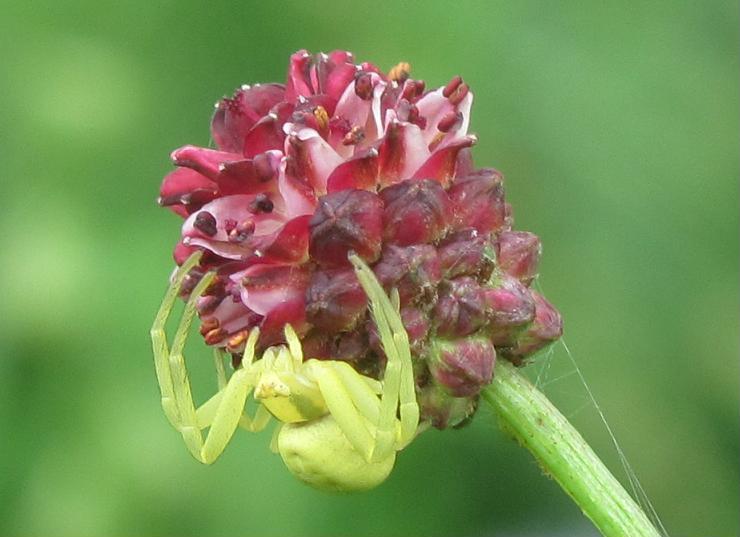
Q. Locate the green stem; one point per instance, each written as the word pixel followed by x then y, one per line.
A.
pixel 563 454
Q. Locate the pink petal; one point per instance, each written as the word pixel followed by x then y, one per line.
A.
pixel 265 287
pixel 441 164
pixel 360 172
pixel 298 76
pixel 251 176
pixel 185 191
pixel 267 134
pixel 434 106
pixel 341 75
pixel 289 244
pixel 401 152
pixel 224 211
pixel 297 194
pixel 314 158
pixel 205 161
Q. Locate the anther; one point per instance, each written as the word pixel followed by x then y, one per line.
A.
pixel 412 89
pixel 260 204
pixel 363 86
pixel 354 136
pixel 214 336
pixel 459 94
pixel 450 121
pixel 241 232
pixel 206 223
pixel 400 72
pixel 322 117
pixel 451 86
pixel 236 340
pixel 208 325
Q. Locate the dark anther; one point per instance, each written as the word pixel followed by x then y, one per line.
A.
pixel 364 86
pixel 451 86
pixel 450 121
pixel 206 223
pixel 241 232
pixel 261 204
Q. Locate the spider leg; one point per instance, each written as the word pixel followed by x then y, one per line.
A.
pixel 398 378
pixel 218 361
pixel 188 423
pixel 159 340
pixel 224 411
pixel 342 406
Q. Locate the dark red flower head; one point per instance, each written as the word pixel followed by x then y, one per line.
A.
pixel 344 158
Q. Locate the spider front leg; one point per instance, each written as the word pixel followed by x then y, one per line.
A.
pixel 223 412
pixel 399 392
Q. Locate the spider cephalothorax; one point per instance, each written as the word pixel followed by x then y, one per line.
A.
pixel 340 430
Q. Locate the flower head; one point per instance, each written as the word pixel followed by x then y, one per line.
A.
pixel 345 158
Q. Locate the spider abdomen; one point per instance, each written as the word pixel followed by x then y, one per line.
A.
pixel 318 453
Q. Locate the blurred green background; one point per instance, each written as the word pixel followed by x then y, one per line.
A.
pixel 616 125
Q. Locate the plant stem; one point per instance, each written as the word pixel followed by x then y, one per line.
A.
pixel 562 453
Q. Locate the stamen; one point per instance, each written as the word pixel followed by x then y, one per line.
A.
pixel 236 340
pixel 354 136
pixel 241 232
pixel 364 86
pixel 451 86
pixel 206 223
pixel 400 72
pixel 260 204
pixel 214 336
pixel 208 325
pixel 450 121
pixel 322 117
pixel 459 94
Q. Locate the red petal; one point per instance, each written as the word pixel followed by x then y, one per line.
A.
pixel 205 161
pixel 314 159
pixel 360 172
pixel 401 153
pixel 266 287
pixel 185 191
pixel 287 245
pixel 236 115
pixel 298 76
pixel 441 164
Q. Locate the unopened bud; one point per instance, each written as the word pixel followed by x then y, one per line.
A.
pixel 510 307
pixel 519 254
pixel 462 366
pixel 345 221
pixel 416 212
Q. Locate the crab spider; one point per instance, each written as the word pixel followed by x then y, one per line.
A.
pixel 340 430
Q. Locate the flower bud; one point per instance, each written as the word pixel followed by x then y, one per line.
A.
pixel 413 270
pixel 478 201
pixel 463 366
pixel 335 300
pixel 546 327
pixel 519 254
pixel 344 221
pixel 443 410
pixel 510 307
pixel 461 307
pixel 467 253
pixel 416 212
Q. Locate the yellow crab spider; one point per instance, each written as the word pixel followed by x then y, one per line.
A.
pixel 340 430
